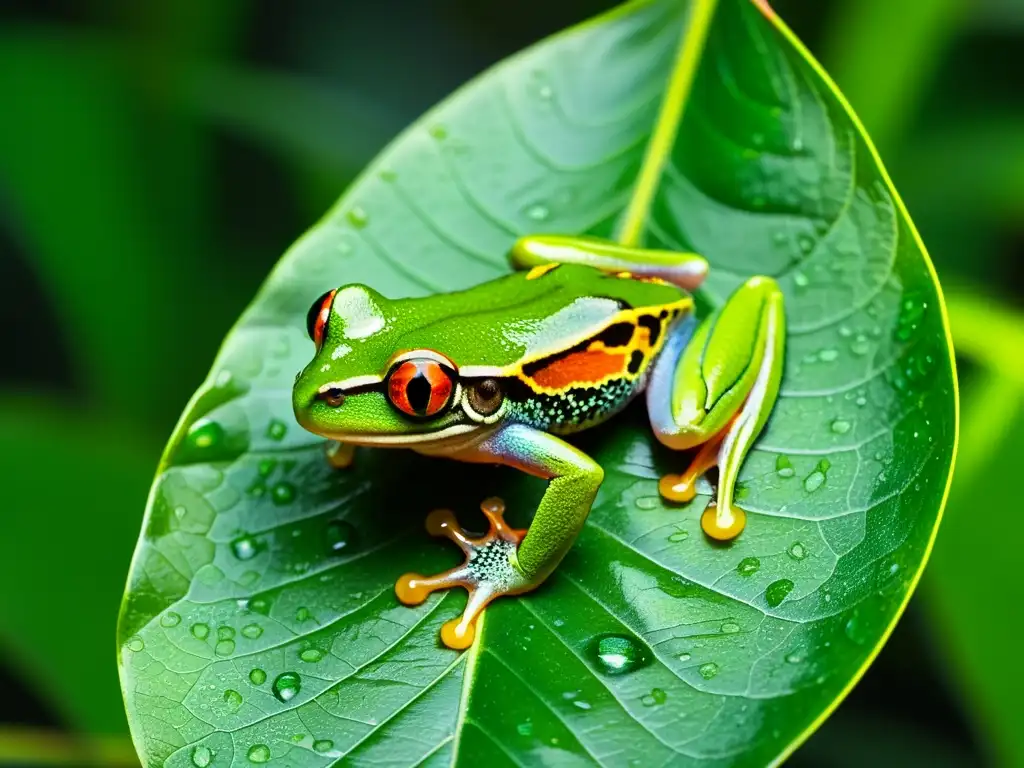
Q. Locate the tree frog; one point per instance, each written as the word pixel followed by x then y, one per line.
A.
pixel 502 372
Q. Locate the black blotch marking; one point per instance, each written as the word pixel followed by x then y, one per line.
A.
pixel 418 392
pixel 652 324
pixel 616 335
pixel 663 314
pixel 635 361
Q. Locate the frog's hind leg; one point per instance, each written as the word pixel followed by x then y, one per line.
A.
pixel 687 270
pixel 714 387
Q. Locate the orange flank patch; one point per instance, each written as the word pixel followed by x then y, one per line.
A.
pixel 589 366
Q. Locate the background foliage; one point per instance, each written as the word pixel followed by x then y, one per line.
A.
pixel 156 159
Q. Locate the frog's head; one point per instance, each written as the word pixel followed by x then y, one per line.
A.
pixel 363 387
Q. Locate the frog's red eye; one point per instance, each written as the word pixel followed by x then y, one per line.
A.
pixel 421 387
pixel 316 318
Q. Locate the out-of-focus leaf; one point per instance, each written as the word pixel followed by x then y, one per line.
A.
pixel 260 621
pixel 885 89
pixel 22 747
pixel 73 170
pixel 967 170
pixel 975 580
pixel 72 485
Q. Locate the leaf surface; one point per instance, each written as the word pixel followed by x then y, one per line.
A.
pixel 260 623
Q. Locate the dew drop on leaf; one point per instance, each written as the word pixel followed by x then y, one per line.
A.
pixel 828 355
pixel 647 502
pixel 708 670
pixel 357 217
pixel 801 280
pixel 341 537
pixel 841 426
pixel 245 547
pixel 323 745
pixel 283 493
pixel 233 699
pixel 678 536
pixel 730 628
pixel 257 676
pixel 438 132
pixel 817 478
pixel 170 619
pixel 855 629
pixel 202 756
pixel 287 686
pixel 225 633
pixel 783 466
pixel 748 566
pixel 224 647
pixel 617 654
pixel 311 655
pixel 258 753
pixel 276 429
pixel 252 631
pixel 797 551
pixel 654 698
pixel 525 729
pixel 135 644
pixel 685 657
pixel 538 212
pixel 200 631
pixel 777 591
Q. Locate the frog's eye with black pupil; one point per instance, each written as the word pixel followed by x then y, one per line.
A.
pixel 316 318
pixel 420 387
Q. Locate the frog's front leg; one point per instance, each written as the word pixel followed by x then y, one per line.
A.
pixel 714 387
pixel 340 455
pixel 507 561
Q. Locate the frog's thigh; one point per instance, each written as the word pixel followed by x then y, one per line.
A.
pixel 715 389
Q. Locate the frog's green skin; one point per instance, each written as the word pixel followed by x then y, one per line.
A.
pixel 508 366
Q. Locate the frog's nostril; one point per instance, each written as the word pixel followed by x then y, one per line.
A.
pixel 333 396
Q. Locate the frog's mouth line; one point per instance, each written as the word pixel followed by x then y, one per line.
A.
pixel 406 440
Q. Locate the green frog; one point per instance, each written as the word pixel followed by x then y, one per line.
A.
pixel 502 372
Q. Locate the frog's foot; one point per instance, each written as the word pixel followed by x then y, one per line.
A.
pixel 720 521
pixel 488 572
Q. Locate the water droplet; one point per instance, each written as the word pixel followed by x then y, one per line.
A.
pixel 276 429
pixel 797 551
pixel 387 175
pixel 828 355
pixel 287 686
pixel 341 537
pixel 801 280
pixel 233 699
pixel 780 238
pixel 202 756
pixel 708 670
pixel 283 493
pixel 806 243
pixel 257 676
pixel 200 631
pixel 860 345
pixel 260 605
pixel 225 633
pixel 357 217
pixel 525 729
pixel 757 139
pixel 135 644
pixel 584 705
pixel 224 647
pixel 783 466
pixel 323 745
pixel 245 547
pixel 252 631
pixel 205 434
pixel 730 628
pixel 855 629
pixel 678 536
pixel 777 591
pixel 817 478
pixel 841 426
pixel 861 401
pixel 795 658
pixel 170 619
pixel 545 92
pixel 438 132
pixel 654 698
pixel 748 566
pixel 266 467
pixel 617 654
pixel 647 502
pixel 302 614
pixel 684 657
pixel 538 212
pixel 797 144
pixel 258 753
pixel 311 655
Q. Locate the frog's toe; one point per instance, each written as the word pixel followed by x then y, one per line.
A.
pixel 723 522
pixel 488 571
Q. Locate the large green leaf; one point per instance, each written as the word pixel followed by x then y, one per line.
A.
pixel 260 621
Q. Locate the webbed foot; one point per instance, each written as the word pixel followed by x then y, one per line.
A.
pixel 488 572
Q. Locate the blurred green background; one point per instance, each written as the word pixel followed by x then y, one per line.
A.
pixel 157 157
